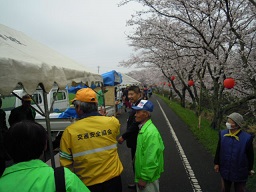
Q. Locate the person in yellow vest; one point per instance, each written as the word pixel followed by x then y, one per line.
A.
pixel 88 147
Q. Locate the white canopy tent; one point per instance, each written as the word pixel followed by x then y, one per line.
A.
pixel 26 62
pixel 127 80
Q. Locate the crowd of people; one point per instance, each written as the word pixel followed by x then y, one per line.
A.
pixel 88 148
pixel 123 102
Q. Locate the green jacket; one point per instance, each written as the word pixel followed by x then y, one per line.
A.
pixel 100 97
pixel 149 157
pixel 36 176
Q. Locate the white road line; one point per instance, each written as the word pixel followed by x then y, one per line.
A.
pixel 194 182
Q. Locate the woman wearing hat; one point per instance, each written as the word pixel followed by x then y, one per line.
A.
pixel 234 155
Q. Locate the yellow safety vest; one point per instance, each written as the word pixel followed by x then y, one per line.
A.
pixel 89 148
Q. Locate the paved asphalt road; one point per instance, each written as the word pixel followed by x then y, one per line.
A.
pixel 188 166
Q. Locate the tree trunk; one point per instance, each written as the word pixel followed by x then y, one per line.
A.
pixel 216 98
pixel 183 97
pixel 217 119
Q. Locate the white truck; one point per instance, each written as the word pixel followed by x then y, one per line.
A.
pixel 58 101
pixel 61 102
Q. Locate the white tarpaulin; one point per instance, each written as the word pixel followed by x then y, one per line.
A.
pixel 24 60
pixel 127 80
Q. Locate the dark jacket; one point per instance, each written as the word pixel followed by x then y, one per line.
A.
pixel 125 95
pixel 21 113
pixel 234 157
pixel 3 130
pixel 132 129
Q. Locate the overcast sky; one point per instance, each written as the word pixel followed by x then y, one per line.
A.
pixel 91 32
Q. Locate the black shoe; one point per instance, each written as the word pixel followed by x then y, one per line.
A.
pixel 132 186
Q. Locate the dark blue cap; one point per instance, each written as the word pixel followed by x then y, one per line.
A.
pixel 145 105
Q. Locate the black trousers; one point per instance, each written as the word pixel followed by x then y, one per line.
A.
pixel 2 165
pixel 112 185
pixel 133 151
pixel 238 186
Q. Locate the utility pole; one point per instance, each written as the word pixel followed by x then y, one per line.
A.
pixel 98 69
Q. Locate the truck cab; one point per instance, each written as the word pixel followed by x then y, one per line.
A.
pixel 58 99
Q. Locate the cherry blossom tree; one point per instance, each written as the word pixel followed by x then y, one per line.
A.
pixel 206 41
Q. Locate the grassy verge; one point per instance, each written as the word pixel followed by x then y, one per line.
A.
pixel 206 135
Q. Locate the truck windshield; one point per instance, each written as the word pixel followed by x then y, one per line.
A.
pixel 8 102
pixel 59 96
pixel 37 98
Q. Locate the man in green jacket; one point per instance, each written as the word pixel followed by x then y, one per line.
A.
pixel 26 141
pixel 149 159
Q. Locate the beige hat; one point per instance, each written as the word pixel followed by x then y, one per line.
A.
pixel 237 118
